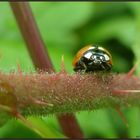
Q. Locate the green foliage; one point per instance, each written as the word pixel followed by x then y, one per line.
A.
pixel 41 128
pixel 62 39
pixel 14 129
pixel 66 27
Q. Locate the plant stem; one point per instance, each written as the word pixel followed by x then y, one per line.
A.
pixel 40 57
pixel 44 94
pixel 31 35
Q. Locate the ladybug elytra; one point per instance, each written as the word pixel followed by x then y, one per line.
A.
pixel 92 58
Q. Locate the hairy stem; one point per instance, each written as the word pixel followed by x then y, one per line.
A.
pixel 40 57
pixel 63 93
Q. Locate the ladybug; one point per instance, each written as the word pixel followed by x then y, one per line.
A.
pixel 92 58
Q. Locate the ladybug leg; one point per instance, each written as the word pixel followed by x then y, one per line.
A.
pixel 81 67
pixel 103 66
pixel 106 66
pixel 84 66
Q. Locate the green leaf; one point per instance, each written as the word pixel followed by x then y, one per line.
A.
pixel 96 124
pixel 58 21
pixel 14 129
pixel 122 28
pixel 10 57
pixel 40 127
pixel 134 121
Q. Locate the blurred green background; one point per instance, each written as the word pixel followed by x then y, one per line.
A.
pixel 66 27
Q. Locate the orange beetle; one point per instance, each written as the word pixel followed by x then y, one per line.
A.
pixel 92 58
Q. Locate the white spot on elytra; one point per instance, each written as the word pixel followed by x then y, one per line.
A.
pixel 88 55
pixel 106 57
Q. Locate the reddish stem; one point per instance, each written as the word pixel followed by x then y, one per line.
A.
pixel 31 35
pixel 40 57
pixel 73 130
